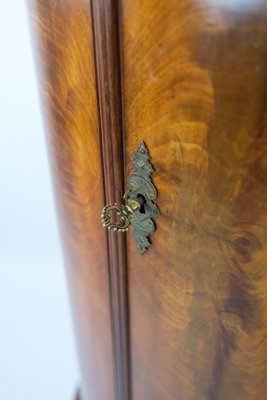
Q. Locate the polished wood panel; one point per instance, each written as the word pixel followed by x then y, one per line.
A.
pixel 107 58
pixel 194 84
pixel 63 36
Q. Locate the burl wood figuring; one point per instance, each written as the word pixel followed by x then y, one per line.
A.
pixel 187 320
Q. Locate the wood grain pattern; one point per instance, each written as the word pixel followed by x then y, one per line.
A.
pixel 195 91
pixel 107 57
pixel 63 35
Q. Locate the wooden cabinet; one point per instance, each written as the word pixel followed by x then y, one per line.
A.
pixel 188 320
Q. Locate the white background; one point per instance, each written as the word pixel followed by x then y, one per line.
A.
pixel 37 354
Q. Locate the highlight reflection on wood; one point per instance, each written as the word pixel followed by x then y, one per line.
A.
pixel 195 89
pixel 63 35
pixel 188 320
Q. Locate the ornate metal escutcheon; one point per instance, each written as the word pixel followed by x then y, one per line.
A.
pixel 139 207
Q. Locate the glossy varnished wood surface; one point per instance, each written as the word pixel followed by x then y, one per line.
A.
pixel 63 35
pixel 105 21
pixel 194 88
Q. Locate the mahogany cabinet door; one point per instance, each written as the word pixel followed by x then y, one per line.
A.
pixel 62 33
pixel 195 89
pixel 187 320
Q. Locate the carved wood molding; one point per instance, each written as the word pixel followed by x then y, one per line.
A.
pixel 105 21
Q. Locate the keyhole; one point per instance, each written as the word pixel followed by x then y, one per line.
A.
pixel 141 200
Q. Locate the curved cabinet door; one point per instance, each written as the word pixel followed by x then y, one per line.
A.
pixel 194 89
pixel 187 320
pixel 62 33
